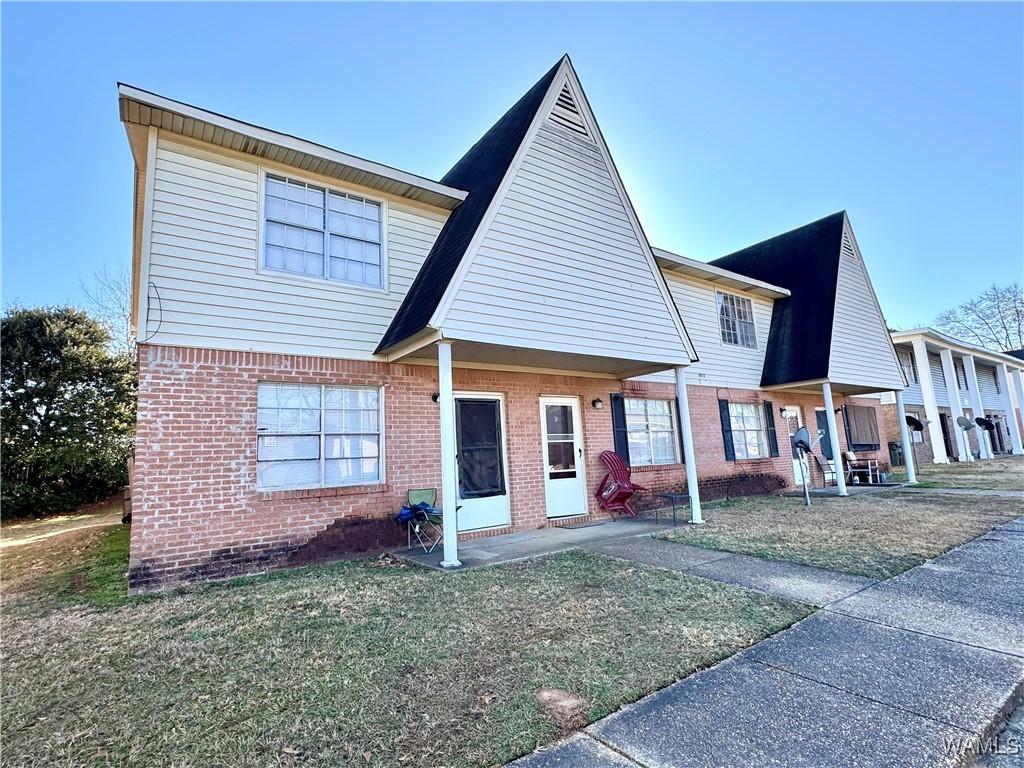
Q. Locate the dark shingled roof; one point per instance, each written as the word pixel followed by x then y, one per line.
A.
pixel 479 172
pixel 1018 353
pixel 806 261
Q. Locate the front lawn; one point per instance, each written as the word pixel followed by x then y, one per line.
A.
pixel 877 535
pixel 358 663
pixel 1003 473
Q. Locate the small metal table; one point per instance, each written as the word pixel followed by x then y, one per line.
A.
pixel 675 498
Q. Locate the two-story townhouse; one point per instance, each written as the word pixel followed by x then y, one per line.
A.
pixel 948 380
pixel 319 333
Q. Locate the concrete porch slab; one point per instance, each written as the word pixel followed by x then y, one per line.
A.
pixel 505 548
pixel 946 681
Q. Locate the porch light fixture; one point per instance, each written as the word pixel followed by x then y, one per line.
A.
pixel 436 396
pixel 598 403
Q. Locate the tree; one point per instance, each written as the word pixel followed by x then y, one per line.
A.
pixel 994 319
pixel 109 300
pixel 67 411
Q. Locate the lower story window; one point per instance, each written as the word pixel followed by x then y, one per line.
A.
pixel 651 431
pixel 313 435
pixel 749 437
pixel 915 436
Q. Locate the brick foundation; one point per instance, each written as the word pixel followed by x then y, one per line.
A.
pixel 198 515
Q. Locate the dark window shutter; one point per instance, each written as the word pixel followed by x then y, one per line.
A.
pixel 769 425
pixel 618 406
pixel 679 436
pixel 723 411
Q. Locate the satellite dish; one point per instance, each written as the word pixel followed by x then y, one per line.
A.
pixel 915 424
pixel 985 424
pixel 802 439
pixel 964 422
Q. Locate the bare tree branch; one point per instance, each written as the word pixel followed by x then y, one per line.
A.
pixel 994 319
pixel 109 300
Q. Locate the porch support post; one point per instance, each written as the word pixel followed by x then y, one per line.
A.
pixel 449 482
pixel 689 454
pixel 931 407
pixel 963 446
pixel 908 445
pixel 1005 385
pixel 1018 388
pixel 833 434
pixel 984 446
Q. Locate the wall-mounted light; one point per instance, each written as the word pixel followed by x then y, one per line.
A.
pixel 597 402
pixel 436 396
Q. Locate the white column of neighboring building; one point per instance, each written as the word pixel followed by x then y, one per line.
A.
pixel 963 447
pixel 833 434
pixel 689 454
pixel 908 445
pixel 984 446
pixel 1018 387
pixel 449 477
pixel 1005 385
pixel 931 408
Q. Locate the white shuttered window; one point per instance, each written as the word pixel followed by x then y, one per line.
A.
pixel 311 435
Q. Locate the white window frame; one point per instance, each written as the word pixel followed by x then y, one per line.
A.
pixel 381 447
pixel 334 283
pixel 761 431
pixel 720 297
pixel 674 421
pixel 907 364
pixel 915 436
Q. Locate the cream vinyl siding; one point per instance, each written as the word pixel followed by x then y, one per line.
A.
pixel 861 351
pixel 941 389
pixel 560 266
pixel 721 364
pixel 991 398
pixel 204 257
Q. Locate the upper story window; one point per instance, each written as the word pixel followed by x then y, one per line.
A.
pixel 961 375
pixel 310 435
pixel 736 320
pixel 321 233
pixel 907 363
pixel 651 431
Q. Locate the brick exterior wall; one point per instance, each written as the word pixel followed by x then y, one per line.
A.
pixel 197 513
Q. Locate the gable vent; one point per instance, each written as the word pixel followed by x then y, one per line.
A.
pixel 567 114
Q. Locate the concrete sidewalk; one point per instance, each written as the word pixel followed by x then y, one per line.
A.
pixel 908 672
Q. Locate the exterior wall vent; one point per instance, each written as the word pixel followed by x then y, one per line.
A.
pixel 567 114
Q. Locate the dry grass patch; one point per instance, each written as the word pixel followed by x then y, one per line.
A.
pixel 1003 473
pixel 877 535
pixel 355 664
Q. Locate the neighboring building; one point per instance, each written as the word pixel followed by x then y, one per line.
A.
pixel 949 379
pixel 318 334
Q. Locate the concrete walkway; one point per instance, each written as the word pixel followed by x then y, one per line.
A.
pixel 774 577
pixel 907 672
pixel 962 491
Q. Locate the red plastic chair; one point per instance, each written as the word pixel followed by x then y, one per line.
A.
pixel 616 489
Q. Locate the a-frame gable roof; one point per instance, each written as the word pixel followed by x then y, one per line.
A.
pixel 806 261
pixel 480 172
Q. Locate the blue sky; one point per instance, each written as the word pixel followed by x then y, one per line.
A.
pixel 729 122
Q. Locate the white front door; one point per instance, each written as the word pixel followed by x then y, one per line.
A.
pixel 794 420
pixel 482 460
pixel 565 487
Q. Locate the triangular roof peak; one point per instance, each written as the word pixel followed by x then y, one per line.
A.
pixel 532 179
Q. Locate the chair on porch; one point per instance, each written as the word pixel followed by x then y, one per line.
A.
pixel 425 522
pixel 860 468
pixel 617 487
pixel 828 471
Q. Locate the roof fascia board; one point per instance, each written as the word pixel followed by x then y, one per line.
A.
pixel 287 141
pixel 424 338
pixel 712 273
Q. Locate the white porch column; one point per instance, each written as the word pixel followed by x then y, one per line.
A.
pixel 908 445
pixel 984 446
pixel 1018 388
pixel 963 447
pixel 689 454
pixel 449 479
pixel 833 433
pixel 931 408
pixel 1006 386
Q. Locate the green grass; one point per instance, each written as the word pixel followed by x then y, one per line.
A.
pixel 350 664
pixel 877 535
